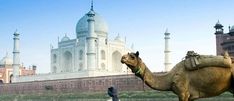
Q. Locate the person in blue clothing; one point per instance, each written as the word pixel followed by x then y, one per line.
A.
pixel 112 92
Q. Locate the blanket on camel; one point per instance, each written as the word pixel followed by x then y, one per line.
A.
pixel 194 61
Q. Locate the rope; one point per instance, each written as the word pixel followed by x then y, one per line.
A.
pixel 143 80
pixel 139 71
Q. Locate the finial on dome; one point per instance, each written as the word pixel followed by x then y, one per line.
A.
pixel 91 5
pixel 218 22
pixel 166 32
pixel 16 32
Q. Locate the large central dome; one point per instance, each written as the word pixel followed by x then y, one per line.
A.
pixel 100 26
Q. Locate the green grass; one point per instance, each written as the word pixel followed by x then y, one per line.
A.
pixel 102 96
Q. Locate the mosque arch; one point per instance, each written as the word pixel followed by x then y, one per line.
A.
pixel 67 61
pixel 1 81
pixel 103 55
pixel 81 54
pixel 116 64
pixel 54 58
pixel 11 78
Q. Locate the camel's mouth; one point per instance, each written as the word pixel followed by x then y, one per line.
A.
pixel 123 60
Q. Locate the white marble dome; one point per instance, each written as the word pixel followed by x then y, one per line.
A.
pixel 6 60
pixel 100 25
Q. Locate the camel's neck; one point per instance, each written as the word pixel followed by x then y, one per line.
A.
pixel 157 82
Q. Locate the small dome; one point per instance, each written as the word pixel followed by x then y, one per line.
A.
pixel 118 38
pixel 100 25
pixel 6 60
pixel 65 38
pixel 232 29
pixel 218 25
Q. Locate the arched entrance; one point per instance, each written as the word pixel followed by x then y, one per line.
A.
pixel 67 62
pixel 55 69
pixel 116 64
pixel 54 58
pixel 11 78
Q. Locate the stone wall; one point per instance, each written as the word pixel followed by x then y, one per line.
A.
pixel 88 84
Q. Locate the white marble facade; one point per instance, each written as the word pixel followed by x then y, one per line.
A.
pixel 72 54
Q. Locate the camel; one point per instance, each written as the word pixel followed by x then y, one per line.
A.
pixel 187 85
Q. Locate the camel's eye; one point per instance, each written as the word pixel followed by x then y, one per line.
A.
pixel 132 56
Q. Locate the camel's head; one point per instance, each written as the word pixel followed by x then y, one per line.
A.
pixel 131 59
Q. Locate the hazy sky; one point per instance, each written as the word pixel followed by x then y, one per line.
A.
pixel 142 22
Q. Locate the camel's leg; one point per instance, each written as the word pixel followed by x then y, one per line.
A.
pixel 180 87
pixel 184 96
pixel 181 92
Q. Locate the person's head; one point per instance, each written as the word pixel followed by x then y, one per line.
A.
pixel 112 92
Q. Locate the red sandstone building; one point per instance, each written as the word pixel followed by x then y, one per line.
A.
pixel 6 70
pixel 224 41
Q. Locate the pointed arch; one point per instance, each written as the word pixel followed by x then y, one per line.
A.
pixel 103 55
pixel 67 61
pixel 54 58
pixel 81 54
pixel 11 78
pixel 116 64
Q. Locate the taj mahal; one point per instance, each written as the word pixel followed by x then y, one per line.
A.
pixel 91 50
pixel 90 54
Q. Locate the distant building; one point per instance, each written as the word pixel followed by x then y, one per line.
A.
pixel 224 41
pixel 6 69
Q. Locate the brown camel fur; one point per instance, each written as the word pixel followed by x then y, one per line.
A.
pixel 187 85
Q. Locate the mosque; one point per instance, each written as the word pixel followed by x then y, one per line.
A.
pixel 224 41
pixel 90 54
pixel 6 69
pixel 91 50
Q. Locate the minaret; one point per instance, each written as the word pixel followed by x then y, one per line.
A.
pixel 16 57
pixel 219 37
pixel 167 51
pixel 91 40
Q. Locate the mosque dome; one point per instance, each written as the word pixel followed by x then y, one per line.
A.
pixel 6 60
pixel 100 25
pixel 118 38
pixel 218 24
pixel 65 38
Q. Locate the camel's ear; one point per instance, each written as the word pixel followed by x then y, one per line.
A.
pixel 137 53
